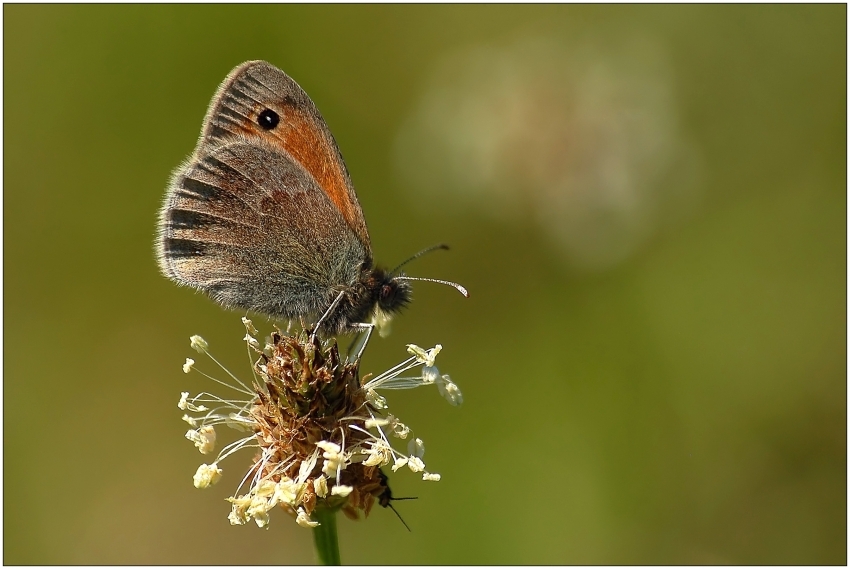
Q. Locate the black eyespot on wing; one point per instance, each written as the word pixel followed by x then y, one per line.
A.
pixel 268 119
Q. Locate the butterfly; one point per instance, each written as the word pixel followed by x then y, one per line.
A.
pixel 263 215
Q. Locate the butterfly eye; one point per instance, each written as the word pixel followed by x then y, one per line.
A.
pixel 268 119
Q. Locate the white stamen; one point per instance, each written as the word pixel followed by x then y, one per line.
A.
pixel 249 326
pixel 415 464
pixel 399 463
pixel 204 438
pixel 449 390
pixel 304 520
pixel 207 475
pixel 320 485
pixel 426 357
pixel 376 422
pixel 198 344
pixel 416 448
pixel 341 490
pixel 430 374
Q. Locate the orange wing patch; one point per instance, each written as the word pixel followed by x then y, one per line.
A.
pixel 300 137
pixel 255 86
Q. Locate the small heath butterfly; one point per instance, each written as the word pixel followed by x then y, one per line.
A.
pixel 263 216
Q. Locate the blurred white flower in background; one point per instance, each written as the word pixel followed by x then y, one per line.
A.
pixel 583 139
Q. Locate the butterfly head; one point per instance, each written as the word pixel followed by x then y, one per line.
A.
pixel 394 293
pixel 384 293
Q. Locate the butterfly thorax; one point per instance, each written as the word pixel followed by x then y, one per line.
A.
pixel 376 290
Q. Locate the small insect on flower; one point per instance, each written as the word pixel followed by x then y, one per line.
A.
pixel 386 497
pixel 320 433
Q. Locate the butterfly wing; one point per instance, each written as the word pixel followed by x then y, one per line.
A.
pixel 249 226
pixel 263 215
pixel 258 86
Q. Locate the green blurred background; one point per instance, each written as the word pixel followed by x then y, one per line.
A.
pixel 657 378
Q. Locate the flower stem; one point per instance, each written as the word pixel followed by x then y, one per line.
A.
pixel 325 538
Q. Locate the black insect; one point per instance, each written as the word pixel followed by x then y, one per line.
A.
pixel 386 497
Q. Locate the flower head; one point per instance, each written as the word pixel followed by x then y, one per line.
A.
pixel 321 432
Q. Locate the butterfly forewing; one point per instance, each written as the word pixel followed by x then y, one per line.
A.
pixel 256 87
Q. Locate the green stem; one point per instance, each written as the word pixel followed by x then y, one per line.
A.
pixel 324 536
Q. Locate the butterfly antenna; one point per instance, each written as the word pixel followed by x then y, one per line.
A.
pixel 459 288
pixel 419 254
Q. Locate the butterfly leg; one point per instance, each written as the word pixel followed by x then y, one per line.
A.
pixel 360 327
pixel 325 315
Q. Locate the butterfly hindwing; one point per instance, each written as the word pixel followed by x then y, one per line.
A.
pixel 249 226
